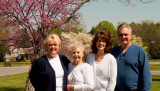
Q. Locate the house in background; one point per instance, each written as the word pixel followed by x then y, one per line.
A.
pixel 20 54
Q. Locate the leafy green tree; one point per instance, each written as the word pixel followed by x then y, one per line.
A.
pixel 3 43
pixel 155 44
pixel 109 26
pixel 136 29
pixel 149 32
pixel 73 26
pixel 155 49
pixel 4 47
pixel 93 30
pixel 103 25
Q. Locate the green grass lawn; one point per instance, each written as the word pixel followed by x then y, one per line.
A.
pixel 154 60
pixel 155 83
pixel 14 82
pixel 17 82
pixel 1 64
pixel 13 64
pixel 155 67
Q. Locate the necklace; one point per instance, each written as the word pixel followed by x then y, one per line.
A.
pixel 99 58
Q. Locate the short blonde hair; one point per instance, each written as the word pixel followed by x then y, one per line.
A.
pixel 52 37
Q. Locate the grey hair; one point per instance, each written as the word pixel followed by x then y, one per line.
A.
pixel 77 44
pixel 123 25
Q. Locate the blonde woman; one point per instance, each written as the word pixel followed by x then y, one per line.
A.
pixel 49 72
pixel 80 76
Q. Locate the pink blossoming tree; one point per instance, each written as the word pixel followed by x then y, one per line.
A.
pixel 31 20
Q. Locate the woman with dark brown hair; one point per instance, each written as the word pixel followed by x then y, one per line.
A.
pixel 103 64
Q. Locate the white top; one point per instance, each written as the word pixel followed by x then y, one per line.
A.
pixel 81 77
pixel 105 72
pixel 56 65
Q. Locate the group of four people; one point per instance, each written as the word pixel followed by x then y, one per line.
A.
pixel 125 68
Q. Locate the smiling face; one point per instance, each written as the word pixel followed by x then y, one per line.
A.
pixel 53 47
pixel 124 36
pixel 77 54
pixel 101 45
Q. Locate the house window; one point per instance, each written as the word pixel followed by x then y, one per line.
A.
pixel 15 51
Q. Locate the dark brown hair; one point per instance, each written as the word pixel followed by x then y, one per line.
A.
pixel 104 35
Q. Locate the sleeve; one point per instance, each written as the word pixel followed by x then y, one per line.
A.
pixel 145 80
pixel 34 74
pixel 65 60
pixel 89 60
pixel 69 72
pixel 88 80
pixel 113 74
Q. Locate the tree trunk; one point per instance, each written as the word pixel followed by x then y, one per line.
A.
pixel 29 86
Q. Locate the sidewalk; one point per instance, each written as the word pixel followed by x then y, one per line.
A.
pixel 13 70
pixel 155 72
pixel 154 62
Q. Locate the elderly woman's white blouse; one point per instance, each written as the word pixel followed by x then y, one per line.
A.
pixel 105 72
pixel 81 77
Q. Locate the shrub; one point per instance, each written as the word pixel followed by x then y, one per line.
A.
pixel 69 38
pixel 138 41
pixel 24 59
pixel 7 64
pixel 155 50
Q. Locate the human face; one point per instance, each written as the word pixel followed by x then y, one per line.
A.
pixel 101 45
pixel 77 54
pixel 53 47
pixel 124 36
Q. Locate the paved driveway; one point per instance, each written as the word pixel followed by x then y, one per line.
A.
pixel 154 62
pixel 13 70
pixel 155 72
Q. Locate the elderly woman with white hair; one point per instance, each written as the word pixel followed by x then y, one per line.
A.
pixel 49 72
pixel 80 76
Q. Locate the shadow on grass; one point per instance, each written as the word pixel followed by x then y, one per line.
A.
pixel 155 79
pixel 11 89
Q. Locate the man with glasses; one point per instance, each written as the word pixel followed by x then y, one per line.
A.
pixel 132 63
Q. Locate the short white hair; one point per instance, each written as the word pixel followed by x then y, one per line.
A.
pixel 123 25
pixel 77 44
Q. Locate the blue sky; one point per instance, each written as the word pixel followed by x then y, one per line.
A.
pixel 114 12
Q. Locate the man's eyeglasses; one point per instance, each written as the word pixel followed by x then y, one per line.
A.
pixel 123 34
